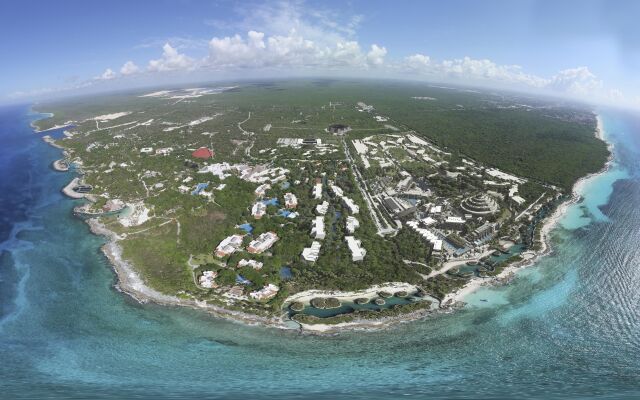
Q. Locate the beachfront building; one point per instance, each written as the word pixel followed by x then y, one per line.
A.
pixel 258 210
pixel 317 229
pixel 290 200
pixel 229 245
pixel 265 293
pixel 252 263
pixel 355 246
pixel 351 205
pixel 352 224
pixel 262 243
pixel 322 208
pixel 312 253
pixel 262 190
pixel 317 191
pixel 207 279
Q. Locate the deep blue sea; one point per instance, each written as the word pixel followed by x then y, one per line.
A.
pixel 568 327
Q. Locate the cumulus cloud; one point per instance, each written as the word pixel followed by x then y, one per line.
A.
pixel 576 81
pixel 108 74
pixel 129 68
pixel 376 55
pixel 287 51
pixel 471 70
pixel 171 60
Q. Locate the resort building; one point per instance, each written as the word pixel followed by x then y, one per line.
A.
pixel 265 293
pixel 317 229
pixel 312 253
pixel 404 184
pixel 484 233
pixel 258 210
pixel 337 191
pixel 351 205
pixel 236 293
pixel 427 234
pixel 357 251
pixel 252 263
pixel 229 245
pixel 480 205
pixel 352 224
pixel 262 243
pixel 317 191
pixel 398 207
pixel 290 200
pixel 454 223
pixel 207 279
pixel 322 208
pixel 262 190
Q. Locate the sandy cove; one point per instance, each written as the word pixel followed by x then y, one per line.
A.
pixel 530 257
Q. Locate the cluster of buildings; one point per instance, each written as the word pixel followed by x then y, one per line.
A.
pixel 255 174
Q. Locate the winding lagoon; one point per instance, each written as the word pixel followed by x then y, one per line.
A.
pixel 567 327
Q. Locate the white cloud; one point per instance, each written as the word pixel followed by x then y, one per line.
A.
pixel 108 74
pixel 417 62
pixel 287 51
pixel 376 55
pixel 129 68
pixel 171 60
pixel 471 70
pixel 576 81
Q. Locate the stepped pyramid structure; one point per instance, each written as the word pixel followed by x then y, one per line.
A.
pixel 480 204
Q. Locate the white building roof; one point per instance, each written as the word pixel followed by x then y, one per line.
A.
pixel 262 242
pixel 317 230
pixel 352 224
pixel 353 207
pixel 312 253
pixel 317 191
pixel 357 251
pixel 229 245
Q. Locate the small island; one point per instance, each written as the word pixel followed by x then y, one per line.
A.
pixel 275 204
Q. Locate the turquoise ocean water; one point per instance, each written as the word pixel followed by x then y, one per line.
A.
pixel 567 327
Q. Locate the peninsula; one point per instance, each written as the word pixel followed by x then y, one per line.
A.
pixel 319 204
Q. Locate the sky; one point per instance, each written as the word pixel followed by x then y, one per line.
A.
pixel 587 49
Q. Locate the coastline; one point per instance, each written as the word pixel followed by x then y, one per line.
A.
pixel 130 282
pixel 532 257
